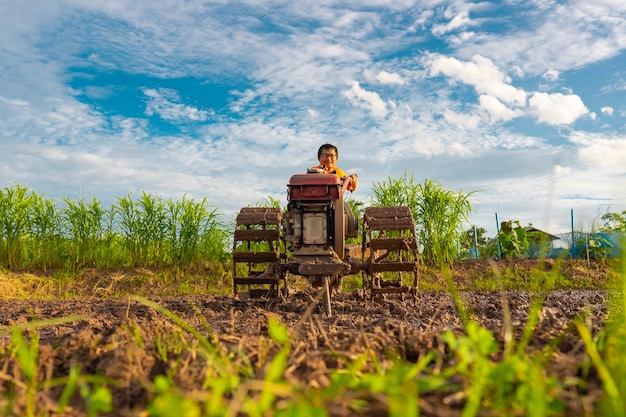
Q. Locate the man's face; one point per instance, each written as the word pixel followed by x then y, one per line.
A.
pixel 328 158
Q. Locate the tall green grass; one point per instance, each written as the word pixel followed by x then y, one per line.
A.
pixel 16 205
pixel 84 230
pixel 440 214
pixel 38 233
pixel 607 350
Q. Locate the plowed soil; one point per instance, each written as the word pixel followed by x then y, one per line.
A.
pixel 120 339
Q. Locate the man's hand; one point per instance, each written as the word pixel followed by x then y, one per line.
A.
pixel 354 179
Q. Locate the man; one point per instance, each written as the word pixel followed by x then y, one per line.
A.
pixel 328 155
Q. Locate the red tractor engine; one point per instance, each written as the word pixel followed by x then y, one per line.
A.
pixel 316 213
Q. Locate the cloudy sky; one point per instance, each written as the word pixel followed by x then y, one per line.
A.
pixel 521 101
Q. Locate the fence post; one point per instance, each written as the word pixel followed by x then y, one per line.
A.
pixel 497 236
pixel 571 251
pixel 476 243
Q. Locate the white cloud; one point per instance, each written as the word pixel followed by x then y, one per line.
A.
pixel 457 21
pixel 421 20
pixel 497 110
pixel 560 171
pixel 600 151
pixel 366 99
pixel 480 73
pixel 433 146
pixel 560 37
pixel 557 108
pixel 384 77
pixel 97 92
pixel 163 103
pixel 243 99
pixel 607 110
pixel 462 121
pixel 462 38
pixel 551 75
pixel 517 71
pixel 14 102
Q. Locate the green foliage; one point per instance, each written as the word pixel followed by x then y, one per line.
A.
pixel 15 224
pixel 539 244
pixel 439 214
pixel 191 226
pixel 614 222
pixel 45 233
pixel 399 384
pixel 608 349
pixel 83 223
pixel 27 358
pixel 24 346
pixel 148 232
pixel 270 201
pixel 357 206
pixel 513 239
pixel 468 246
pixel 143 227
pixel 513 385
pixel 491 248
pixel 594 246
pixel 97 397
pixel 169 401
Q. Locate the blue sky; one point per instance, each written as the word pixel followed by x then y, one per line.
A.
pixel 522 101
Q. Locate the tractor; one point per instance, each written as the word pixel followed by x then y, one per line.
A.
pixel 309 239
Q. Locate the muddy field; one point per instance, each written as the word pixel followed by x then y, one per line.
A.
pixel 103 341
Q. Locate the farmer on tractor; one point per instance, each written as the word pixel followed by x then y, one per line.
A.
pixel 328 155
pixel 308 238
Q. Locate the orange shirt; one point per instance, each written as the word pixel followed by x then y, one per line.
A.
pixel 340 173
pixel 337 171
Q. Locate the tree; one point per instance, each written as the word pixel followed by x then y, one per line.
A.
pixel 466 241
pixel 614 222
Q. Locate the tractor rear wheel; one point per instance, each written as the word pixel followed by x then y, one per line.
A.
pixel 257 252
pixel 390 240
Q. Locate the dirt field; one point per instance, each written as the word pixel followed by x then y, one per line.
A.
pixel 103 340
